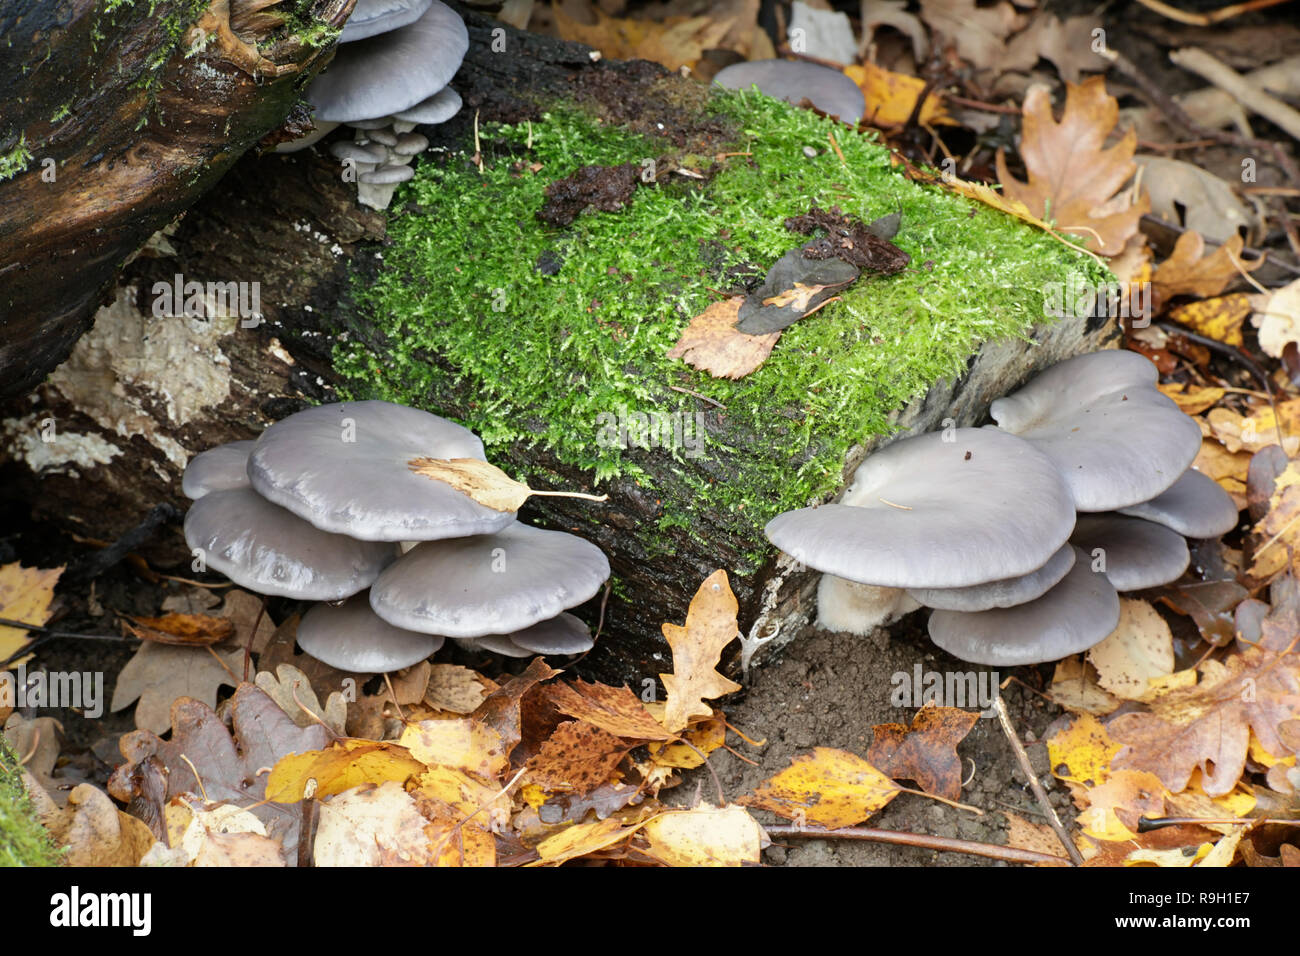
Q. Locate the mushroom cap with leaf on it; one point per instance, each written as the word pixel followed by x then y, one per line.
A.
pixel 489 584
pixel 351 637
pixel 1117 440
pixel 345 468
pixel 269 550
pixel 940 510
pixel 795 81
pixel 391 71
pixel 1007 592
pixel 1194 506
pixel 1076 614
pixel 1138 554
pixel 217 469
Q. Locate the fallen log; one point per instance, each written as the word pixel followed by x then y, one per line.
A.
pixel 545 337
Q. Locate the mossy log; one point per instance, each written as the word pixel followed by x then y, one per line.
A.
pixel 542 337
pixel 117 117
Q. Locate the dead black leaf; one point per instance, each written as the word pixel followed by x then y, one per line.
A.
pixel 795 286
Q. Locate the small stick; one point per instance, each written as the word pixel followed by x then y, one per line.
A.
pixel 1005 719
pixel 1146 824
pixel 1224 77
pixel 923 840
pixel 722 797
pixel 703 398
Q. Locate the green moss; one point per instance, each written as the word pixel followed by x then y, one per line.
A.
pixel 23 841
pixel 15 160
pixel 547 355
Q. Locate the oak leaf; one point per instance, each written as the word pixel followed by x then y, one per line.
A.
pixel 1073 180
pixel 160 674
pixel 697 649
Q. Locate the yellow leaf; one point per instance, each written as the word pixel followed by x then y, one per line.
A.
pixel 697 648
pixel 1219 318
pixel 1140 648
pixel 583 838
pixel 891 97
pixel 485 483
pixel 829 788
pixel 704 737
pixel 1173 858
pixel 343 765
pixel 1191 399
pixel 673 42
pixel 25 595
pixel 706 836
pixel 461 744
pixel 1082 752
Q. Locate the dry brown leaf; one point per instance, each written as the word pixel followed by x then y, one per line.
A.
pixel 979 31
pixel 160 674
pixel 1035 837
pixel 290 688
pixel 926 751
pixel 243 609
pixel 486 483
pixel 1208 725
pixel 1067 44
pixel 711 343
pixel 25 595
pixel 828 788
pixel 181 630
pixel 613 709
pixel 577 758
pixel 1073 179
pixel 456 689
pixel 699 740
pixel 96 832
pixel 1189 271
pixel 454 841
pixel 697 649
pixel 1075 687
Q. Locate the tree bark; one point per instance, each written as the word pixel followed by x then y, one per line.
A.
pixel 290 224
pixel 118 117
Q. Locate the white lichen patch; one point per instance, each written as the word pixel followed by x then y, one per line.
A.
pixel 47 451
pixel 130 356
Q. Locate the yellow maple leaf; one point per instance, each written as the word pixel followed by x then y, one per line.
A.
pixel 697 648
pixel 25 595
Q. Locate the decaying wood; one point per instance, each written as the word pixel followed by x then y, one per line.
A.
pixel 123 115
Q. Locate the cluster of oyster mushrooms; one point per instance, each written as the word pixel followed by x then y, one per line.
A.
pixel 324 507
pixel 389 75
pixel 1018 534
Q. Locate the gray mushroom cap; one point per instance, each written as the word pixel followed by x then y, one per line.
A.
pixel 500 644
pixel 1138 554
pixel 489 584
pixel 408 144
pixel 372 17
pixel 562 634
pixel 1194 506
pixel 357 152
pixel 1005 593
pixel 217 469
pixel 1071 617
pixel 351 637
pixel 364 487
pixel 268 550
pixel 1116 439
pixel 925 512
pixel 794 81
pixel 438 108
pixel 387 175
pixel 392 71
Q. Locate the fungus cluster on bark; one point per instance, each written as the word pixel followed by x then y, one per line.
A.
pixel 324 507
pixel 1020 534
pixel 390 75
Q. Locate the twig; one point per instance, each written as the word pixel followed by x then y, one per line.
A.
pixel 923 840
pixel 722 797
pixel 252 635
pixel 96 564
pixel 1146 824
pixel 1023 758
pixel 703 398
pixel 1224 77
pixel 1211 18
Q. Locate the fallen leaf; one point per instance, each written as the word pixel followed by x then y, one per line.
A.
pixel 891 97
pixel 1066 44
pixel 1141 647
pixel 484 482
pixel 582 839
pixel 1073 180
pixel 1192 399
pixel 290 689
pixel 1188 271
pixel 1208 725
pixel 1277 316
pixel 673 42
pixel 243 609
pixel 159 674
pixel 925 752
pixel 711 342
pixel 705 836
pixel 702 737
pixel 828 788
pixel 372 825
pixel 979 31
pixel 454 841
pixel 1187 195
pixel 613 709
pixel 36 742
pixel 578 757
pixel 697 649
pixel 1035 837
pixel 25 595
pixel 97 833
pixel 342 765
pixel 1075 687
pixel 1113 807
pixel 181 630
pixel 456 689
pixel 222 835
pixel 462 744
pixel 1081 753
